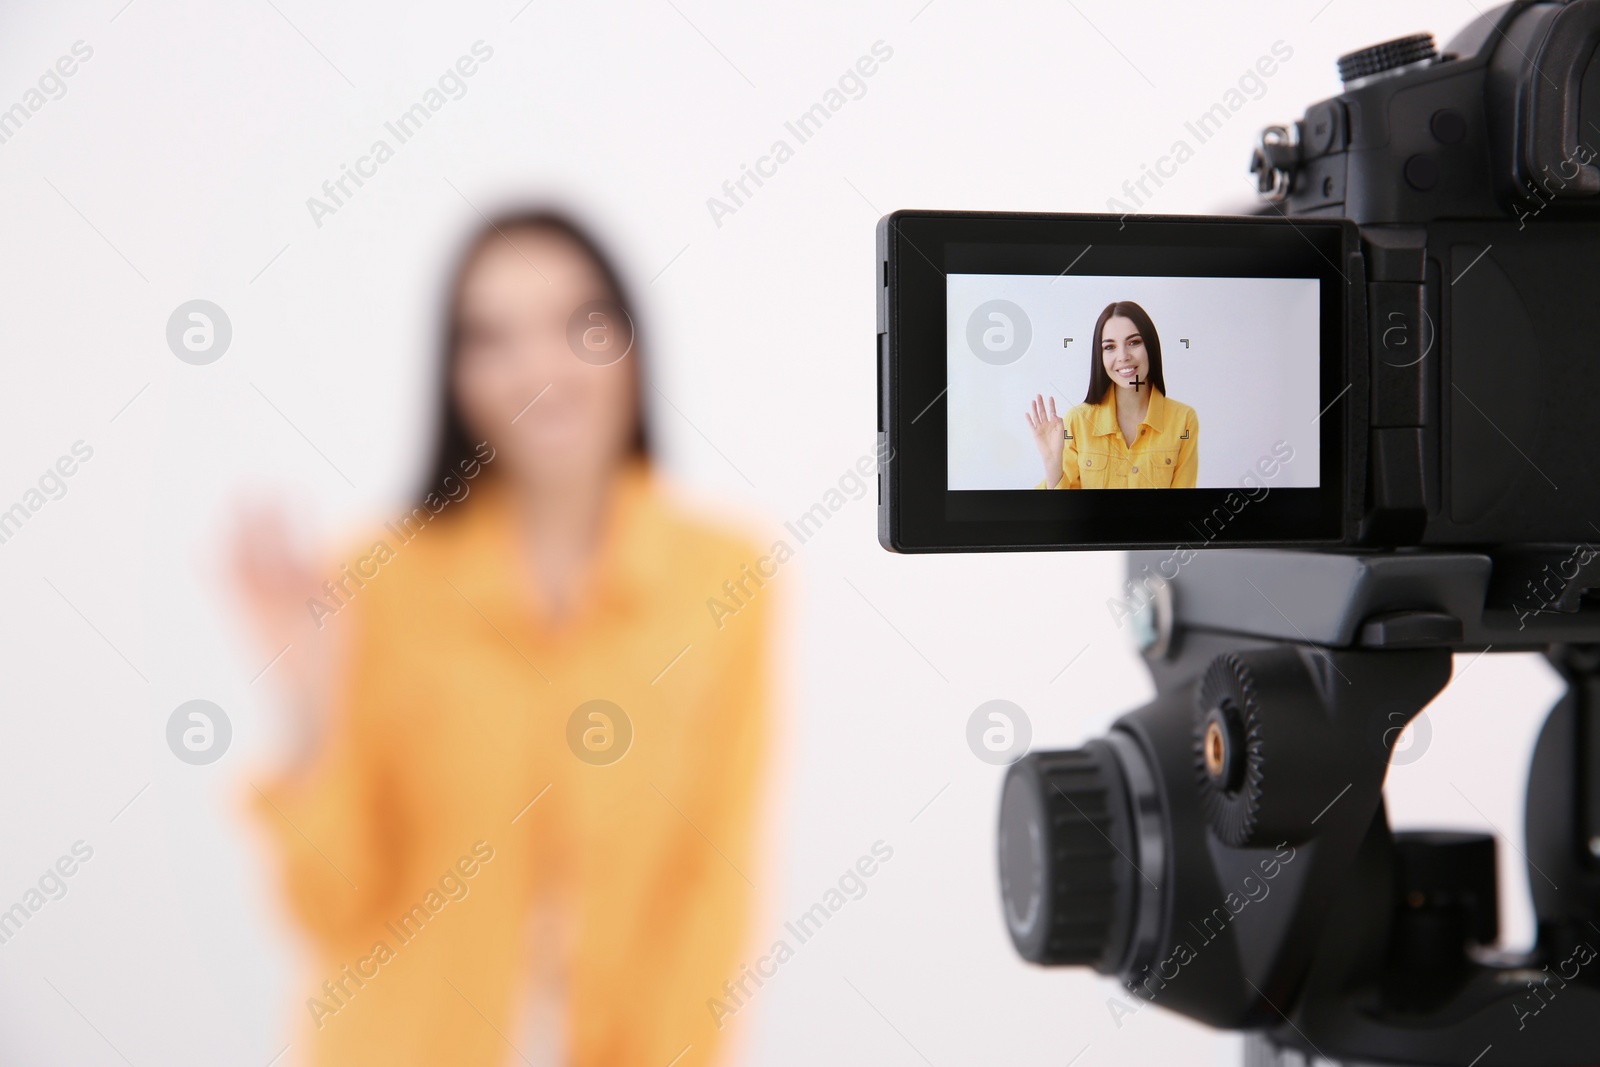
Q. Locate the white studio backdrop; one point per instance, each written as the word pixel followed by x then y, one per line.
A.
pixel 176 164
pixel 1249 370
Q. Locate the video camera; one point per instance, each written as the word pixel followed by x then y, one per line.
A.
pixel 1378 394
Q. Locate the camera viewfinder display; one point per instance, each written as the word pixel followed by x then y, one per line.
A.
pixel 1202 365
pixel 1093 382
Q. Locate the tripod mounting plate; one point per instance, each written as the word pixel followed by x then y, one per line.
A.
pixel 1404 599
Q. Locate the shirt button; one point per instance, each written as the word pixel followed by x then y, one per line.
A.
pixel 1136 470
pixel 1088 463
pixel 1169 462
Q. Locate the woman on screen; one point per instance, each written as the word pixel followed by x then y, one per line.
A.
pixel 1127 433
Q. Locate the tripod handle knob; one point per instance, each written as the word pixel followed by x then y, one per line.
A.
pixel 1066 880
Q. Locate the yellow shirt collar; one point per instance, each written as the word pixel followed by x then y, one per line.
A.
pixel 1105 414
pixel 487 549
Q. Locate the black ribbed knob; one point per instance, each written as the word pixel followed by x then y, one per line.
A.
pixel 1065 877
pixel 1386 56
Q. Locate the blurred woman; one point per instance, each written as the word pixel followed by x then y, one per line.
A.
pixel 518 821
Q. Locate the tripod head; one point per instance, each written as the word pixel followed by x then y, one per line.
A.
pixel 1225 851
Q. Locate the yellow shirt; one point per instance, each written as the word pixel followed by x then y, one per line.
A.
pixel 446 801
pixel 1165 454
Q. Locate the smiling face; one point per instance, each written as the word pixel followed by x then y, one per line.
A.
pixel 1122 351
pixel 552 417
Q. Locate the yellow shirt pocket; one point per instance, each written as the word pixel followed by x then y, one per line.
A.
pixel 1094 468
pixel 1153 468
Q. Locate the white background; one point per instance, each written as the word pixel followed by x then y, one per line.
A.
pixel 177 166
pixel 1249 371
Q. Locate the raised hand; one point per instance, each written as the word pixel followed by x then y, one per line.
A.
pixel 274 583
pixel 1049 430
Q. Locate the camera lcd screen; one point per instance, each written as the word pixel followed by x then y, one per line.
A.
pixel 1197 365
pixel 1216 378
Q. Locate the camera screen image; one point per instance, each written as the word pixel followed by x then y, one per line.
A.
pixel 1143 382
pixel 1204 354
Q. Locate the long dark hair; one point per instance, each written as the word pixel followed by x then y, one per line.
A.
pixel 1099 380
pixel 454 444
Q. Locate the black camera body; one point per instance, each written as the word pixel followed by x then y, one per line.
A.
pixel 1473 176
pixel 1457 366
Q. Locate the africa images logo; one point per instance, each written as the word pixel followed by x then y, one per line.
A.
pixel 998 332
